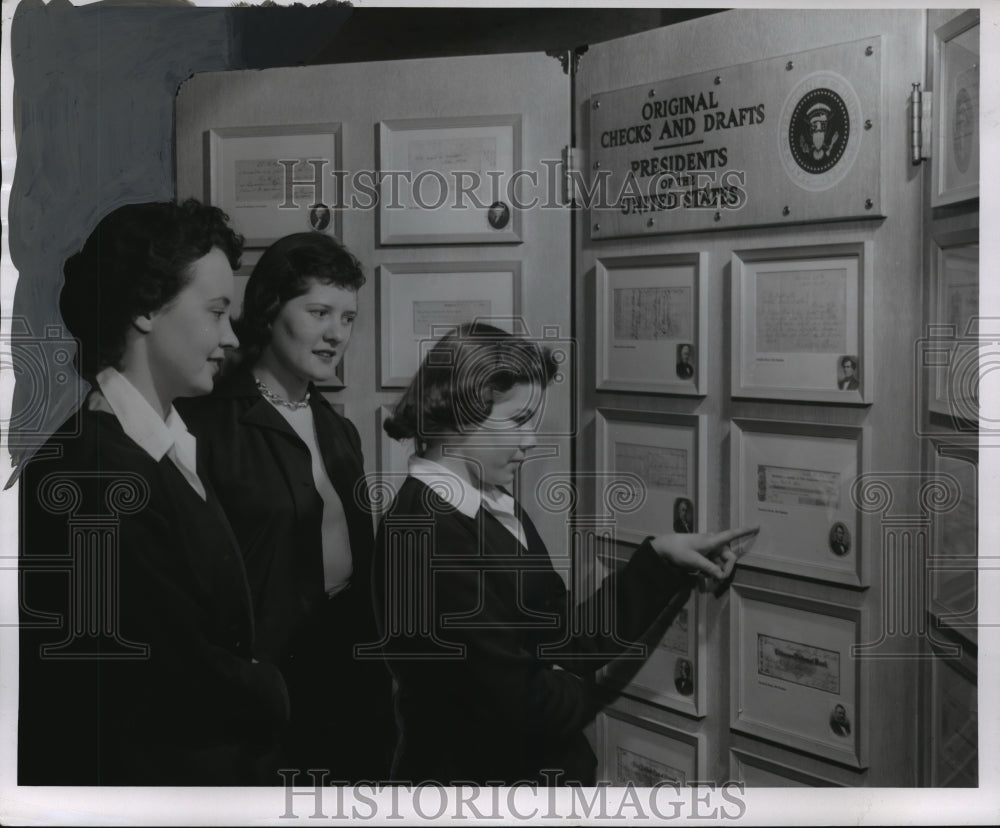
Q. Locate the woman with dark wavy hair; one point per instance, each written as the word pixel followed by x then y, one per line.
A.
pixel 289 472
pixel 137 644
pixel 491 659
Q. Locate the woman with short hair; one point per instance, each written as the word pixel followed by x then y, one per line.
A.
pixel 493 662
pixel 290 474
pixel 147 676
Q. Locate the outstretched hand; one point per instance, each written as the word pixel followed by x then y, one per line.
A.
pixel 703 553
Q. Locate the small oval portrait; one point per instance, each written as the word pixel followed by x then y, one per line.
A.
pixel 498 215
pixel 839 722
pixel 847 373
pixel 319 217
pixel 840 539
pixel 684 677
pixel 683 516
pixel 685 360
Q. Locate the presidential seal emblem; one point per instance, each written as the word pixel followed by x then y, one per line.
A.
pixel 819 131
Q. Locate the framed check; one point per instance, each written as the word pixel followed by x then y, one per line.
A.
pixel 270 179
pixel 794 480
pixel 652 324
pixel 638 747
pixel 956 110
pixel 419 303
pixel 674 673
pixel 952 349
pixel 795 679
pixel 666 456
pixel 954 559
pixel 802 324
pixel 953 707
pixel 450 180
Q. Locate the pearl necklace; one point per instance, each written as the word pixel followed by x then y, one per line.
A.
pixel 270 396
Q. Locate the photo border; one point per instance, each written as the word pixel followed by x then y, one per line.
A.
pixel 394 137
pixel 283 221
pixel 854 754
pixel 746 264
pixel 393 376
pixel 860 527
pixel 655 381
pixel 604 421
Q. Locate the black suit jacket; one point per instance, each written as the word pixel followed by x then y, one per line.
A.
pixel 474 628
pixel 136 586
pixel 262 471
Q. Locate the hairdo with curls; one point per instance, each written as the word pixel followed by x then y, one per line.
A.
pixel 136 260
pixel 455 387
pixel 285 271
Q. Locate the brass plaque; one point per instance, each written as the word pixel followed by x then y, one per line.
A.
pixel 779 141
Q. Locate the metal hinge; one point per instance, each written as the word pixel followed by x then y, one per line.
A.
pixel 921 134
pixel 569 166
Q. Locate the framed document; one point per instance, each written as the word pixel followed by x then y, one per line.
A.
pixel 652 324
pixel 801 324
pixel 794 480
pixel 796 681
pixel 954 722
pixel 952 352
pixel 674 674
pixel 956 110
pixel 954 559
pixel 450 180
pixel 664 456
pixel 418 303
pixel 757 772
pixel 276 180
pixel 643 750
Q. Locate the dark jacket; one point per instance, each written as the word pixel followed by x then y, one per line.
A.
pixel 474 628
pixel 136 587
pixel 262 471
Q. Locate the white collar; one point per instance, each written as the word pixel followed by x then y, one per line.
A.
pixel 454 490
pixel 458 492
pixel 138 418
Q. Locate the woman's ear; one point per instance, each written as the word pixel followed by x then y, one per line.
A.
pixel 143 323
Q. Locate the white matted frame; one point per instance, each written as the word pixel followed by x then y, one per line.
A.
pixel 954 559
pixel 955 151
pixel 247 179
pixel 953 344
pixel 652 324
pixel 802 323
pixel 645 750
pixel 676 671
pixel 794 480
pixel 755 771
pixel 450 180
pixel 666 456
pixel 418 303
pixel 953 747
pixel 795 679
